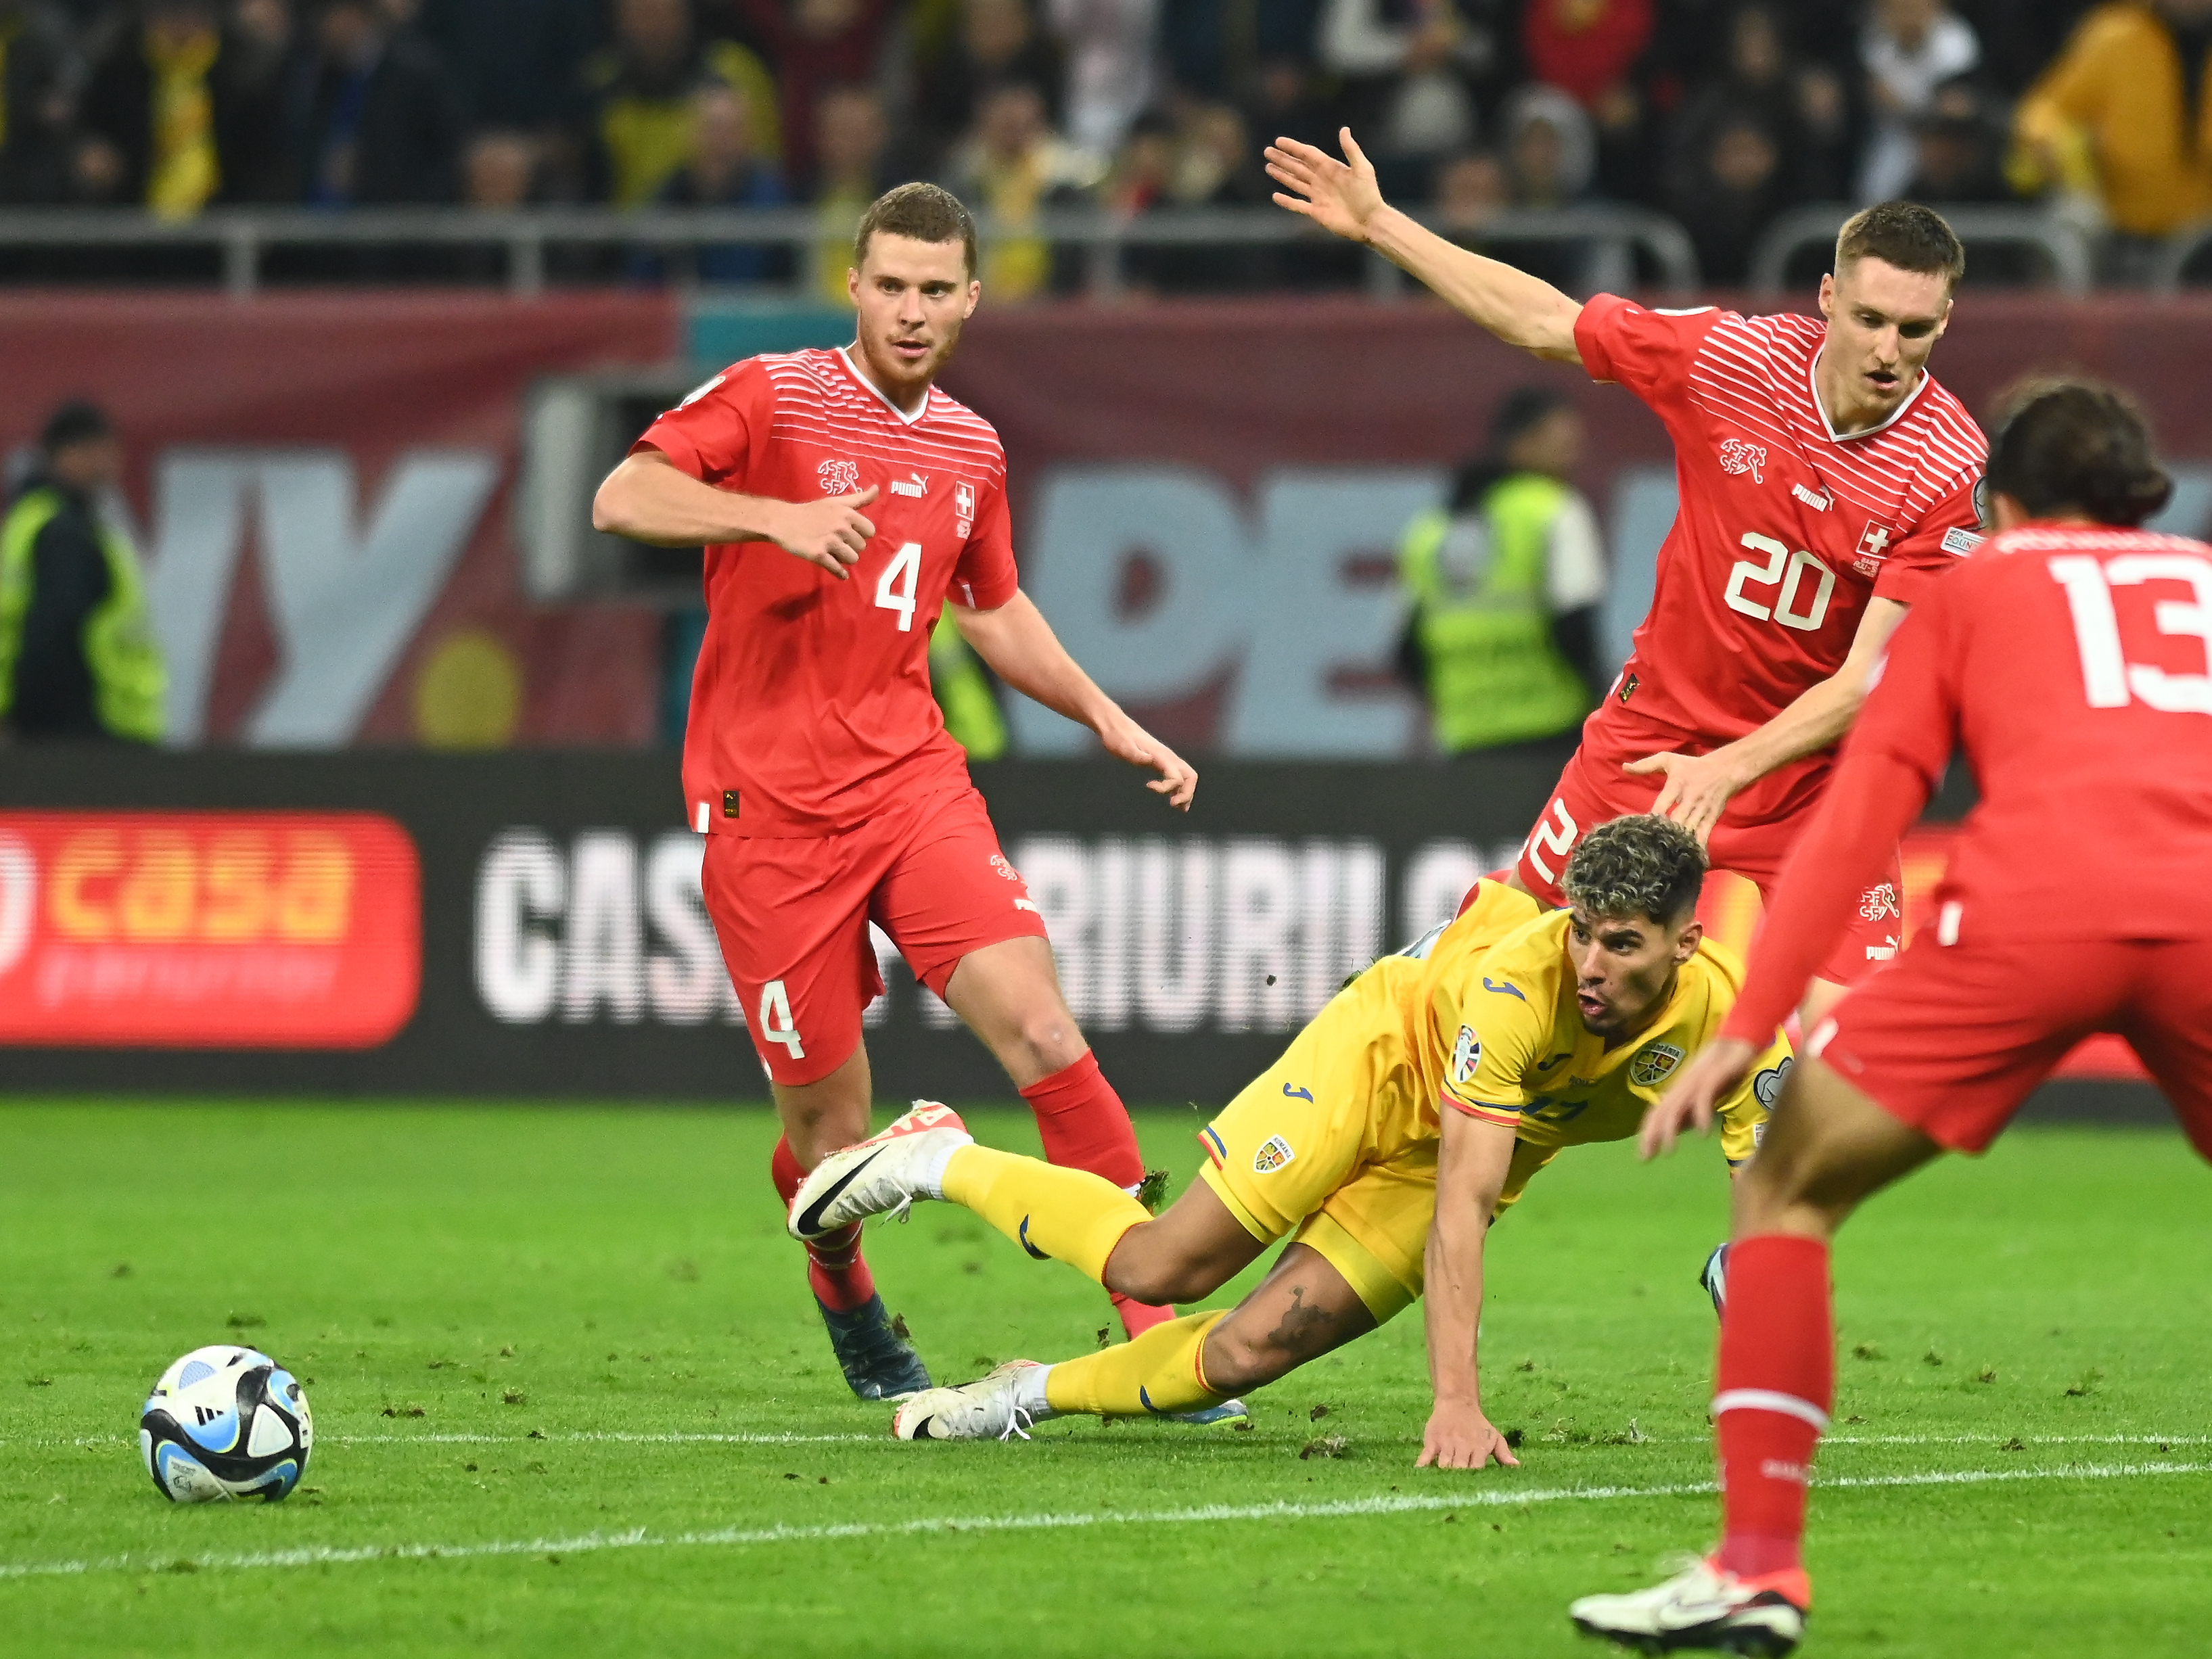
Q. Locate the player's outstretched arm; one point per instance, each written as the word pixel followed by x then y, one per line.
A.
pixel 1021 648
pixel 1698 787
pixel 1342 196
pixel 649 498
pixel 1470 1165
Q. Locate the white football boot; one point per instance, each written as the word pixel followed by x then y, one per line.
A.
pixel 1702 1607
pixel 1000 1406
pixel 886 1172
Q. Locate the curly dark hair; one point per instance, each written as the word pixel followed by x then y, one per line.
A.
pixel 2065 444
pixel 1639 866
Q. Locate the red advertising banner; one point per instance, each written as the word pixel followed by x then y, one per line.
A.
pixel 322 486
pixel 230 930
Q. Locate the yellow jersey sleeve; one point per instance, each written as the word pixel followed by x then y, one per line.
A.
pixel 1490 1031
pixel 1743 1114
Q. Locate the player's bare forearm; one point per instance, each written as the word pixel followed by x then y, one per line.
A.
pixel 1470 1165
pixel 1520 309
pixel 1020 647
pixel 1342 197
pixel 1697 788
pixel 649 498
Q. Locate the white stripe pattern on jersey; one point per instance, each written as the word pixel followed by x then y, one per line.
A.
pixel 818 402
pixel 1756 373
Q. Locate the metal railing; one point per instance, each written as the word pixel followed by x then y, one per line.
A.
pixel 2062 244
pixel 242 237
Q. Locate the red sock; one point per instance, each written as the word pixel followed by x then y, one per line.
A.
pixel 840 1279
pixel 1085 1126
pixel 1776 1385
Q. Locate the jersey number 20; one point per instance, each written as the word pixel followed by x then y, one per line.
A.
pixel 1784 567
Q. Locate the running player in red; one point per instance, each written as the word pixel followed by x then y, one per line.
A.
pixel 1825 479
pixel 844 500
pixel 2068 661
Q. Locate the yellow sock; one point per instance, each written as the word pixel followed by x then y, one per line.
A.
pixel 1160 1372
pixel 1069 1215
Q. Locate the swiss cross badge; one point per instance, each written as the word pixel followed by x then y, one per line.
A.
pixel 1874 544
pixel 963 504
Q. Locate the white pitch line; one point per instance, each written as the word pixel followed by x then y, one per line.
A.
pixel 1397 1503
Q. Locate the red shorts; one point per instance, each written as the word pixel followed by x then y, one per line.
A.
pixel 792 915
pixel 1951 1039
pixel 1752 839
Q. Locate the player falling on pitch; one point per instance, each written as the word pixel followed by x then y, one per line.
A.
pixel 844 498
pixel 1412 1110
pixel 1825 479
pixel 2068 660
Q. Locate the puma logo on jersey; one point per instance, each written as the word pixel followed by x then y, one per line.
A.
pixel 1812 498
pixel 1740 456
pixel 839 477
pixel 915 485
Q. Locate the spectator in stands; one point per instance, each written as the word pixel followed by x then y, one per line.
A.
pixel 1010 166
pixel 1799 105
pixel 1958 154
pixel 78 660
pixel 994 41
pixel 517 66
pixel 1110 47
pixel 1471 191
pixel 2121 120
pixel 1551 150
pixel 852 146
pixel 1415 66
pixel 38 72
pixel 1591 49
pixel 724 173
pixel 1909 48
pixel 1729 185
pixel 378 120
pixel 1285 103
pixel 176 114
pixel 499 170
pixel 1206 159
pixel 1502 584
pixel 639 93
pixel 811 44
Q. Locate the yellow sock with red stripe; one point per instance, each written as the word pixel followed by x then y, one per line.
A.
pixel 1162 1372
pixel 1067 1215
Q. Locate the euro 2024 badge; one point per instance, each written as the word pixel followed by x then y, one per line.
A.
pixel 1653 1063
pixel 1466 1054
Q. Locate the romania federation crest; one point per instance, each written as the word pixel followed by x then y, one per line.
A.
pixel 1466 1054
pixel 1653 1063
pixel 1272 1156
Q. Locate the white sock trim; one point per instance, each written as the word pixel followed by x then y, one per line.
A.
pixel 1029 1393
pixel 929 1176
pixel 1768 1399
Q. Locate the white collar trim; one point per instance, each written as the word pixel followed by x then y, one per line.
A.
pixel 844 355
pixel 1812 385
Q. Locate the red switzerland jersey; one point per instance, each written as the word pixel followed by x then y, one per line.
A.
pixel 2071 667
pixel 811 708
pixel 1784 530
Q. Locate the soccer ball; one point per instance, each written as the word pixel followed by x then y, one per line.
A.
pixel 226 1422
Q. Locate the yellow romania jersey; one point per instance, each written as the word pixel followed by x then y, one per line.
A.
pixel 1497 1033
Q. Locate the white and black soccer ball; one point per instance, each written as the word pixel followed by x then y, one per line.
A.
pixel 226 1422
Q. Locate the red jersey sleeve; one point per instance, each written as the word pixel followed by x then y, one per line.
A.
pixel 985 578
pixel 1912 713
pixel 1650 352
pixel 713 433
pixel 1950 532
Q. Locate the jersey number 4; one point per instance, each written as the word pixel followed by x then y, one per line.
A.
pixel 895 588
pixel 2109 678
pixel 1788 569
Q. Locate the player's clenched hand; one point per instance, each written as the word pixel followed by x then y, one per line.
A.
pixel 830 532
pixel 1689 1100
pixel 1459 1437
pixel 1125 739
pixel 1696 790
pixel 1336 197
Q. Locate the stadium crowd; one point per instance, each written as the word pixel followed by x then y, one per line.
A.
pixel 1722 113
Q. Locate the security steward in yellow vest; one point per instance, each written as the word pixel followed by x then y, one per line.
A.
pixel 1503 583
pixel 77 655
pixel 963 693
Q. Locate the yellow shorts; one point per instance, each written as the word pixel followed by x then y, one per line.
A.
pixel 1328 1146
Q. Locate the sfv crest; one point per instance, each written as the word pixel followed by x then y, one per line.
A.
pixel 839 477
pixel 1739 456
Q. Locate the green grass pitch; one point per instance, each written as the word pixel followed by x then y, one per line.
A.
pixel 572 1396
